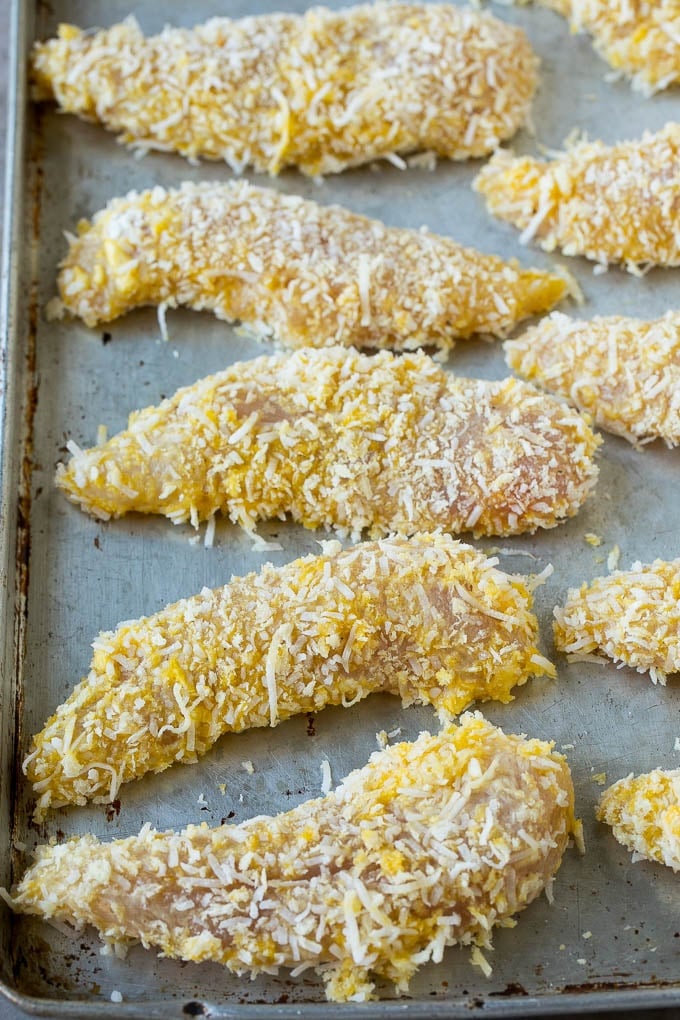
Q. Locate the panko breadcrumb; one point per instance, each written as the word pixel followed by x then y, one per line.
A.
pixel 610 203
pixel 431 844
pixel 322 91
pixel 644 813
pixel 624 372
pixel 428 619
pixel 632 616
pixel 338 439
pixel 302 273
pixel 641 38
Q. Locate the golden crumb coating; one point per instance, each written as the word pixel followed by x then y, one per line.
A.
pixel 430 844
pixel 338 439
pixel 644 813
pixel 302 273
pixel 610 203
pixel 321 91
pixel 624 372
pixel 426 618
pixel 632 616
pixel 639 37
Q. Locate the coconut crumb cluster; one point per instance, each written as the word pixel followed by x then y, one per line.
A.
pixel 284 435
pixel 613 204
pixel 322 91
pixel 428 619
pixel 624 372
pixel 432 843
pixel 644 813
pixel 293 270
pixel 632 616
pixel 640 38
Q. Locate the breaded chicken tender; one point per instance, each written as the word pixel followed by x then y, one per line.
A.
pixel 624 372
pixel 321 91
pixel 610 203
pixel 632 616
pixel 290 269
pixel 428 619
pixel 431 844
pixel 644 813
pixel 338 439
pixel 638 37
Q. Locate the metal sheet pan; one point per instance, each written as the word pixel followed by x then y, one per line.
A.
pixel 65 577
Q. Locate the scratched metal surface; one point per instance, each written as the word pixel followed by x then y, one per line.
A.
pixel 83 576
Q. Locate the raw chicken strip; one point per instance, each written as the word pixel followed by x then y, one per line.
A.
pixel 610 203
pixel 322 91
pixel 430 844
pixel 632 616
pixel 428 619
pixel 644 813
pixel 624 372
pixel 639 37
pixel 339 439
pixel 302 273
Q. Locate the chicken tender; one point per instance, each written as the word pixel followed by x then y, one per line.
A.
pixel 338 439
pixel 632 616
pixel 610 203
pixel 290 269
pixel 638 37
pixel 644 813
pixel 624 372
pixel 428 619
pixel 432 843
pixel 322 91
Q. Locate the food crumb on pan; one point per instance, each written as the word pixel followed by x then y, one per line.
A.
pixel 326 779
pixel 613 558
pixel 600 778
pixel 248 766
pixel 116 996
pixel 592 539
pixel 478 959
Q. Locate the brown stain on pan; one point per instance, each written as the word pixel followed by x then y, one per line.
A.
pixel 585 987
pixel 26 349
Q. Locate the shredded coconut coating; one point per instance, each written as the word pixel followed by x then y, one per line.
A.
pixel 644 813
pixel 631 616
pixel 339 439
pixel 624 372
pixel 610 203
pixel 638 37
pixel 322 91
pixel 302 273
pixel 430 844
pixel 428 619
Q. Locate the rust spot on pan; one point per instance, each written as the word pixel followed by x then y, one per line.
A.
pixel 511 990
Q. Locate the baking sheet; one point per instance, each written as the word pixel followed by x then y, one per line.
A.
pixel 75 576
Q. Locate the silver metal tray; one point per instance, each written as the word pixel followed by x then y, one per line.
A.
pixel 65 577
